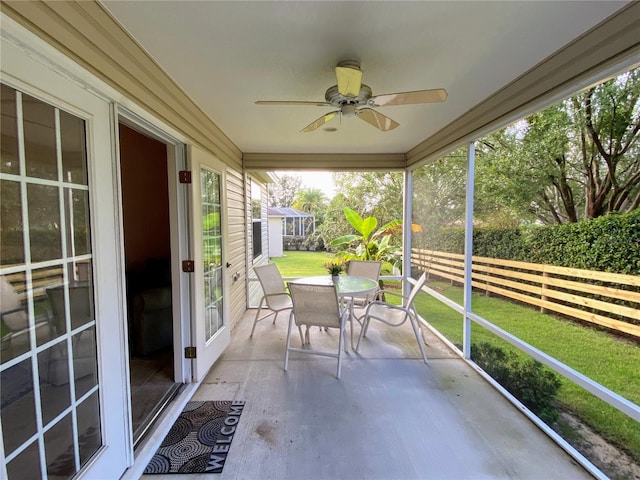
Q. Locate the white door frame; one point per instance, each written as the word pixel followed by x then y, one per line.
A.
pixel 208 350
pixel 179 212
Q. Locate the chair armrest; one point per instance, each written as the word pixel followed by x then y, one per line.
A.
pixel 15 319
pixel 277 295
pixel 13 310
pixel 392 293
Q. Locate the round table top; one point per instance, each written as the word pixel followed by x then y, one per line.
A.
pixel 346 285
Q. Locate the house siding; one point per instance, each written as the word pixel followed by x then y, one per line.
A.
pixel 253 291
pixel 236 248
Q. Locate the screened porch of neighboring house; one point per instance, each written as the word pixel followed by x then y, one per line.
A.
pixel 295 227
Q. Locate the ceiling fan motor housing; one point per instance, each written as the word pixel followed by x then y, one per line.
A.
pixel 335 98
pixel 352 98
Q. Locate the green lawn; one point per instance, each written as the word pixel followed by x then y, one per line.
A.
pixel 603 357
pixel 302 263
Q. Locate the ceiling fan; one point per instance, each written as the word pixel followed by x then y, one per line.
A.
pixel 354 99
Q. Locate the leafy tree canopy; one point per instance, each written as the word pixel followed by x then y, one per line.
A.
pixel 282 192
pixel 311 200
pixel 576 160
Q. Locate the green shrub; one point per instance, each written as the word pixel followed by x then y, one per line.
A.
pixel 607 244
pixel 527 380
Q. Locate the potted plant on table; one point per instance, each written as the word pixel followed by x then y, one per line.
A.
pixel 335 268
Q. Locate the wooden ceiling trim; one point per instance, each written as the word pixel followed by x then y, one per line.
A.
pixel 323 161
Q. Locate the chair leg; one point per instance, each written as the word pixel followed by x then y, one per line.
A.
pixel 365 329
pixel 365 325
pixel 286 352
pixel 416 329
pixel 351 328
pixel 255 320
pixel 342 336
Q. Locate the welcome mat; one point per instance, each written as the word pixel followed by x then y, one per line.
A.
pixel 199 440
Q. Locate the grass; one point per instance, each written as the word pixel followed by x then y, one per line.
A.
pixel 302 263
pixel 607 359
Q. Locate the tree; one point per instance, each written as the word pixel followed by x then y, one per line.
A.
pixel 311 200
pixel 377 194
pixel 439 191
pixel 578 159
pixel 335 224
pixel 609 119
pixel 282 192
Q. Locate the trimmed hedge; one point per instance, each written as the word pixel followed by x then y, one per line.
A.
pixel 526 379
pixel 608 244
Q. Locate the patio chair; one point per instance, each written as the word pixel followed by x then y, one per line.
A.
pixel 396 315
pixel 316 305
pixel 14 313
pixel 368 269
pixel 275 298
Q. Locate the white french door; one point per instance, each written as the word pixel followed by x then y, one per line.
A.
pixel 210 328
pixel 63 383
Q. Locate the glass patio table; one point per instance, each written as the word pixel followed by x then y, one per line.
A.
pixel 347 287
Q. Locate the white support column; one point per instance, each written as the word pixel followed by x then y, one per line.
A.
pixel 468 248
pixel 407 220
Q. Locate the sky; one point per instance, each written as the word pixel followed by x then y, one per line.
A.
pixel 321 180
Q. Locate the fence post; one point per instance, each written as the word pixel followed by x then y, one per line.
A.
pixel 487 293
pixel 543 297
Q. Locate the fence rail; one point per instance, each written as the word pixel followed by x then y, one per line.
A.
pixel 583 294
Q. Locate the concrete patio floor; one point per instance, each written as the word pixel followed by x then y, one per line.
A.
pixel 389 417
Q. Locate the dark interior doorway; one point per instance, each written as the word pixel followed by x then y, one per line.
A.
pixel 147 246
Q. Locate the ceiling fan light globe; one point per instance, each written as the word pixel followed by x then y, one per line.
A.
pixel 349 110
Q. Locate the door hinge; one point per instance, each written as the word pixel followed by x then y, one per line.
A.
pixel 189 352
pixel 188 266
pixel 184 176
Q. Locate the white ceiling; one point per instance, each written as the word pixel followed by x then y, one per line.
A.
pixel 226 55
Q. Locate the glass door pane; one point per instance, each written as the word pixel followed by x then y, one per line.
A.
pixel 212 251
pixel 49 379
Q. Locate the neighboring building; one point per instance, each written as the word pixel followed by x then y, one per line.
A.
pixel 288 228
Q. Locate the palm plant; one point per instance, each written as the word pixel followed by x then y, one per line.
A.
pixel 370 244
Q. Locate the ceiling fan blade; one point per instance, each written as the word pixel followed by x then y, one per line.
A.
pixel 407 98
pixel 349 81
pixel 291 102
pixel 320 122
pixel 377 119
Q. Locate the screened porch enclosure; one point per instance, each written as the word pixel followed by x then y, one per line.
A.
pixel 389 417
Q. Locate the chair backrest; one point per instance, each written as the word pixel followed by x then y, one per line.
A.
pixel 315 305
pixel 416 289
pixel 272 285
pixel 10 302
pixel 365 268
pixel 270 279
